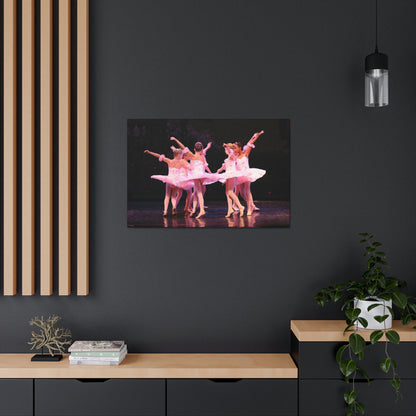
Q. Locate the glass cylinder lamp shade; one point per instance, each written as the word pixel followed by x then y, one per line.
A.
pixel 376 80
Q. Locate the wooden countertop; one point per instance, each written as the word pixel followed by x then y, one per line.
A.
pixel 327 331
pixel 156 366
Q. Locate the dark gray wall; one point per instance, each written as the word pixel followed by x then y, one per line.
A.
pixel 352 168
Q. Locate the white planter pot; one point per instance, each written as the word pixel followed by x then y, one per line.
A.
pixel 369 315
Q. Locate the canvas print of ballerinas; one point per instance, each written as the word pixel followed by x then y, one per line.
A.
pixel 216 173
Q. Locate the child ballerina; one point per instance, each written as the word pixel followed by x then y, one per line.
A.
pixel 248 175
pixel 229 177
pixel 177 166
pixel 187 185
pixel 197 174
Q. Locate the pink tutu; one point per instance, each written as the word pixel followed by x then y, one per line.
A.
pixel 247 174
pixel 230 171
pixel 176 177
pixel 250 175
pixel 197 172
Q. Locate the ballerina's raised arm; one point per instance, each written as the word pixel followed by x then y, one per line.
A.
pixel 162 158
pixel 250 144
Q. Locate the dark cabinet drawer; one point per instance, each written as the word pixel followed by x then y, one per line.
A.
pixel 16 397
pixel 115 397
pixel 325 398
pixel 247 397
pixel 317 359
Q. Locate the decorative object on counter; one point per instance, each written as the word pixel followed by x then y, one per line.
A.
pixel 97 352
pixel 49 337
pixel 376 75
pixel 368 304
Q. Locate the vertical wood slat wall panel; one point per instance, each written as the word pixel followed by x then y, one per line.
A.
pixel 64 257
pixel 46 147
pixel 28 147
pixel 9 147
pixel 82 148
pixel 27 174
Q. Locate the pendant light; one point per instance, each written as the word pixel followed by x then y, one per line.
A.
pixel 376 75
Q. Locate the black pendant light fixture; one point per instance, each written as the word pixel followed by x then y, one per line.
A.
pixel 376 75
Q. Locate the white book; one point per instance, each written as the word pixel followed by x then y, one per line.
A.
pixel 100 346
pixel 85 362
pixel 97 360
pixel 87 357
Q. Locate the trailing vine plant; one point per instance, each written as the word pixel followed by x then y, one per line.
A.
pixel 377 287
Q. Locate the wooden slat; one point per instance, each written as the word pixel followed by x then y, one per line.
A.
pixel 9 113
pixel 64 147
pixel 46 147
pixel 28 147
pixel 82 148
pixel 157 366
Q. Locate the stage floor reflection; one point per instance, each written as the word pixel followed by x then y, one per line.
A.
pixel 149 214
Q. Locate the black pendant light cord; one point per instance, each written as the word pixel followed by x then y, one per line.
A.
pixel 376 25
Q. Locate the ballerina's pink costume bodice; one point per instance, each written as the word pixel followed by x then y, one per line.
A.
pixel 230 165
pixel 242 163
pixel 197 167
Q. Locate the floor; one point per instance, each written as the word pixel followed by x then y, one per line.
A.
pixel 149 214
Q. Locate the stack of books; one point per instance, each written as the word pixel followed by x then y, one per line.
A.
pixel 97 352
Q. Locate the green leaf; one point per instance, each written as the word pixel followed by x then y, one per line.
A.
pixel 381 318
pixel 406 319
pixel 395 383
pixel 350 397
pixel 393 363
pixel 349 326
pixel 347 367
pixel 363 322
pixel 372 289
pixel 399 299
pixel 357 343
pixel 393 337
pixel 391 284
pixel 375 336
pixel 353 314
pixel 360 407
pixel 364 373
pixel 340 351
pixel 373 305
pixel 412 306
pixel 385 365
pixel 377 244
pixel 391 311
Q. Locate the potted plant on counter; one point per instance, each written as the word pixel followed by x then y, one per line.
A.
pixel 368 303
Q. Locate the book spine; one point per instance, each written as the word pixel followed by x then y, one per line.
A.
pixel 93 362
pixel 97 360
pixel 85 354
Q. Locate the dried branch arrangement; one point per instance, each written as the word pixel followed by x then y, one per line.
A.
pixel 50 337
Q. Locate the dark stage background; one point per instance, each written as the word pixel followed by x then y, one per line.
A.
pixel 271 153
pixel 352 169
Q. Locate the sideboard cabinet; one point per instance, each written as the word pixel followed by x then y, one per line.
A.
pixel 152 385
pixel 321 385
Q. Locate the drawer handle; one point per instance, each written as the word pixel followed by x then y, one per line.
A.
pixel 225 380
pixel 92 380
